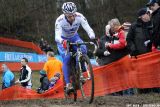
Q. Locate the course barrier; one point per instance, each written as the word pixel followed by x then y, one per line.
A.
pixel 143 72
pixel 19 43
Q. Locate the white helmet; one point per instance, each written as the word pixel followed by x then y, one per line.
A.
pixel 69 7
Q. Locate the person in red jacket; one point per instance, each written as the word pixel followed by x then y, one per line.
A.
pixel 119 42
pixel 112 46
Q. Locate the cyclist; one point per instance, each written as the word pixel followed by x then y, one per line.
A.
pixel 66 27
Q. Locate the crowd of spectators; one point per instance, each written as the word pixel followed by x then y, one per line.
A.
pixel 45 46
pixel 50 74
pixel 140 37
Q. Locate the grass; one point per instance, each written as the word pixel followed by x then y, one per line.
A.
pixel 35 79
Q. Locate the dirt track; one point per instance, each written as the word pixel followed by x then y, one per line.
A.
pixel 148 100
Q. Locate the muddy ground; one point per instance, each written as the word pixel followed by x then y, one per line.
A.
pixel 143 100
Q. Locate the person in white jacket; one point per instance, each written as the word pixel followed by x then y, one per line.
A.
pixel 66 27
pixel 25 74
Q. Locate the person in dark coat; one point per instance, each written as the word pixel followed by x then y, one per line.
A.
pixel 154 6
pixel 44 82
pixel 139 38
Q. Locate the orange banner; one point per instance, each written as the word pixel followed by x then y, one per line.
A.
pixel 143 72
pixel 19 43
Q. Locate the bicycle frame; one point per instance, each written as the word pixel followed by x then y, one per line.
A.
pixel 79 54
pixel 77 76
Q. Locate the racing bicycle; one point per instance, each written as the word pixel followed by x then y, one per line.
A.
pixel 81 74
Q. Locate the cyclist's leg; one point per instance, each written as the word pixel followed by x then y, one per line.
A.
pixel 66 68
pixel 66 59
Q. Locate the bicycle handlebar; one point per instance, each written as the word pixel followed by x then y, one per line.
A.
pixel 83 43
pixel 78 44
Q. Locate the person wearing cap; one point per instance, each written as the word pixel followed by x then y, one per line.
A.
pixel 139 37
pixel 7 77
pixel 154 5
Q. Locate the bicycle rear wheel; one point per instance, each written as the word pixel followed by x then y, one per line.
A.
pixel 87 80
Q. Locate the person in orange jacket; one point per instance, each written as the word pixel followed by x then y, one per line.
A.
pixel 52 66
pixel 53 71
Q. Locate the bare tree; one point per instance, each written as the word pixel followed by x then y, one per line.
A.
pixel 32 19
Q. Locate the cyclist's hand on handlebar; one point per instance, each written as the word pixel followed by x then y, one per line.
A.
pixel 64 43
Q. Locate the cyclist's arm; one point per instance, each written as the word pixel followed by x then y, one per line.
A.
pixel 58 32
pixel 87 28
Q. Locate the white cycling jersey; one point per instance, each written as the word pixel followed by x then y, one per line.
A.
pixel 64 29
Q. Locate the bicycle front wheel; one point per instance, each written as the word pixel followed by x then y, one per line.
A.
pixel 87 79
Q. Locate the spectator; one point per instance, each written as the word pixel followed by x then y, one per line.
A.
pixel 112 46
pixel 126 27
pixel 7 77
pixel 53 70
pixel 25 76
pixel 54 80
pixel 44 46
pixel 52 65
pixel 154 5
pixel 139 39
pixel 41 43
pixel 48 48
pixel 44 82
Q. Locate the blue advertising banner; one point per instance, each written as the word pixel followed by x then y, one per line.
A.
pixel 17 56
pixel 32 57
pixel 42 58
